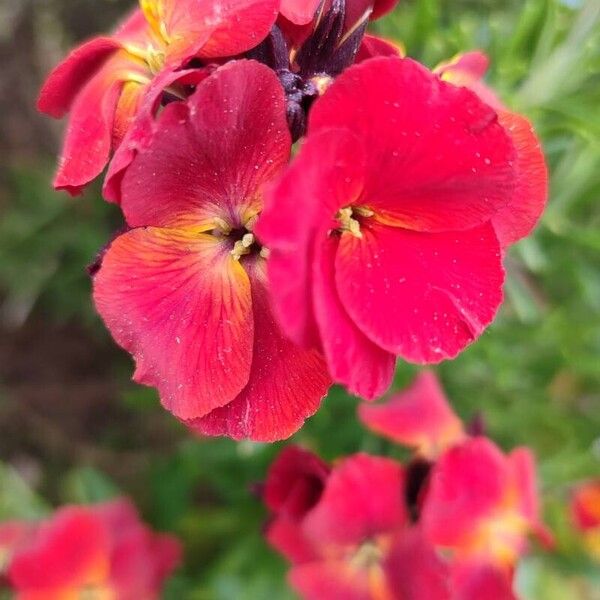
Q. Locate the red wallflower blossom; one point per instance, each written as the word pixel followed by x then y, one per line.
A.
pixel 401 180
pixel 482 504
pixel 103 551
pixel 419 417
pixel 101 83
pixel 185 289
pixel 585 511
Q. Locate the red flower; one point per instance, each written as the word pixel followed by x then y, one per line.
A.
pixel 419 417
pixel 101 83
pixel 585 511
pixel 100 550
pixel 395 251
pixel 185 289
pixel 482 504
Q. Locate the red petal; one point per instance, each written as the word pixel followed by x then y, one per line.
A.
pixel 179 303
pixel 88 137
pixel 481 581
pixel 286 383
pixel 363 497
pixel 70 550
pixel 68 78
pixel 238 113
pixel 422 296
pixel 419 417
pixel 288 538
pixel 320 178
pixel 467 486
pixel 331 580
pixel 295 482
pixel 382 7
pixel 516 220
pixel 416 572
pixel 437 158
pixel 585 505
pixel 373 46
pixel 299 12
pixel 353 360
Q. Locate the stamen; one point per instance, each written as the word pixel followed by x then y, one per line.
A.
pixel 321 83
pixel 348 223
pixel 265 252
pixel 222 227
pixel 251 222
pixel 243 246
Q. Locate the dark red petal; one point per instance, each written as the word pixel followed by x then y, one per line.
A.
pixel 419 295
pixel 295 482
pixel 179 303
pixel 326 173
pixel 286 385
pixel 520 216
pixel 363 497
pixel 419 416
pixel 237 113
pixel 415 571
pixel 382 7
pixel 68 78
pixel 438 158
pixel 353 359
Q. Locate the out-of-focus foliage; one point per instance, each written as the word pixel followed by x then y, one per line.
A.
pixel 534 376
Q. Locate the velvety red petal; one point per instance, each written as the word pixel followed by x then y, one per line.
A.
pixel 295 482
pixel 421 296
pixel 363 497
pixel 299 12
pixel 329 580
pixel 520 216
pixel 71 549
pixel 438 160
pixel 383 7
pixel 321 178
pixel 372 46
pixel 181 305
pixel 68 78
pixel 289 539
pixel 88 137
pixel 419 417
pixel 467 485
pixel 415 571
pixel 286 385
pixel 353 359
pixel 232 137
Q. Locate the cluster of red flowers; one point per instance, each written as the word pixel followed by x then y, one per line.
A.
pixel 243 286
pixel 101 552
pixel 450 525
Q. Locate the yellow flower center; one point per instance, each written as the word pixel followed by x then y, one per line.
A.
pixel 347 218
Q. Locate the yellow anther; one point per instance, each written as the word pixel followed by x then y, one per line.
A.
pixel 251 222
pixel 322 82
pixel 155 59
pixel 348 223
pixel 265 252
pixel 222 227
pixel 243 246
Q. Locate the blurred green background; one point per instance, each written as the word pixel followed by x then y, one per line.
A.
pixel 73 428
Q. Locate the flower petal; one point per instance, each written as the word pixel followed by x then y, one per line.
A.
pixel 179 303
pixel 286 385
pixel 331 579
pixel 326 173
pixel 237 113
pixel 363 497
pixel 299 12
pixel 71 75
pixel 295 482
pixel 353 360
pixel 372 46
pixel 415 571
pixel 421 296
pixel 419 417
pixel 289 539
pixel 438 160
pixel 520 216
